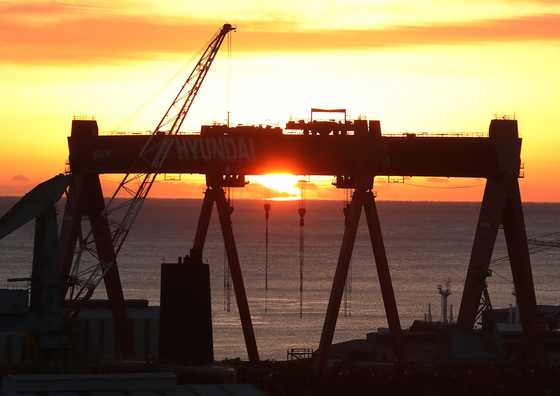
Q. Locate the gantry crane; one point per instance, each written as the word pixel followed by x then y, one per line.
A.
pixel 108 230
pixel 356 153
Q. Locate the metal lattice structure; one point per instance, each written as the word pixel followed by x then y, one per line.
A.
pixel 110 227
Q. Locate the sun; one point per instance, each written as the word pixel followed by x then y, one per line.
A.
pixel 280 183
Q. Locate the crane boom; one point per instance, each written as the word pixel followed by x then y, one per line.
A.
pixel 182 103
pixel 174 117
pixel 136 186
pixel 33 204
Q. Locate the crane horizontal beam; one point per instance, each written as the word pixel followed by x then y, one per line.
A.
pixel 357 148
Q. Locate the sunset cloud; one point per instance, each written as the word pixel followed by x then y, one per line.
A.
pixel 56 32
pixel 20 179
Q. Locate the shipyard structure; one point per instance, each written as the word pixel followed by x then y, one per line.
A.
pixel 354 152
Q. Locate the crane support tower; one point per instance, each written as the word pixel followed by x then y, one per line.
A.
pixel 355 152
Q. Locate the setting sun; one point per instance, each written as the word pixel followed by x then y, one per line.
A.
pixel 280 183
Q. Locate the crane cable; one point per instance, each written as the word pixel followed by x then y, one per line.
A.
pixel 301 212
pixel 227 284
pixel 228 78
pixel 266 216
pixel 348 285
pixel 227 271
pixel 445 187
pixel 534 249
pixel 157 93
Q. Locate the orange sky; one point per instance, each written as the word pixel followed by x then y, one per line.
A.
pixel 431 66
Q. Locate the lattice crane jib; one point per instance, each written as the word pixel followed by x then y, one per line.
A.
pixel 119 215
pixel 182 103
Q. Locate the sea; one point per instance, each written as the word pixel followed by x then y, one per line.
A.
pixel 427 245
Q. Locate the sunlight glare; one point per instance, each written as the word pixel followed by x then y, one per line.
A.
pixel 280 183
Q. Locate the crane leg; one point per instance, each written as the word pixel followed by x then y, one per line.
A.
pixel 502 204
pixel 92 197
pixel 518 251
pixel 224 212
pixel 69 231
pixel 485 237
pixel 204 220
pixel 339 281
pixel 361 199
pixel 384 277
